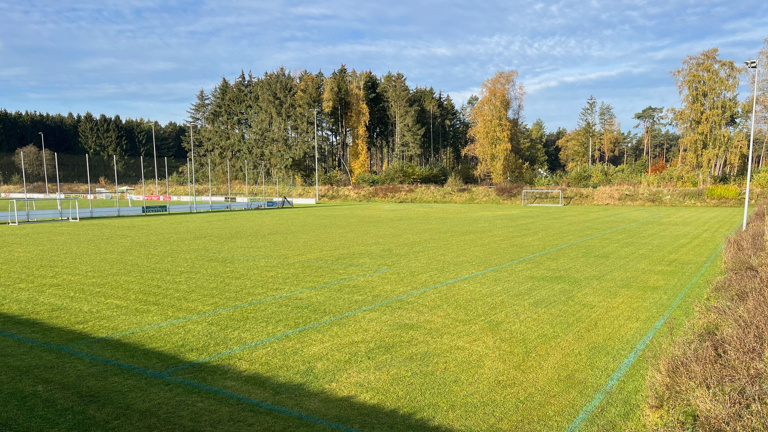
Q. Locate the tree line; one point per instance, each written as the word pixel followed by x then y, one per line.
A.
pixel 80 134
pixel 360 122
pixel 364 126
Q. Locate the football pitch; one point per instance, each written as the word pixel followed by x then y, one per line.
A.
pixel 354 317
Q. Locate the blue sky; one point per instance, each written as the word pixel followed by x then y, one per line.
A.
pixel 148 59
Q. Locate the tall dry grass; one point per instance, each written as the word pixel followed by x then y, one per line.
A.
pixel 715 376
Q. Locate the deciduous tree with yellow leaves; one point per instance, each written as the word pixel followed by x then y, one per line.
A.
pixel 495 123
pixel 344 102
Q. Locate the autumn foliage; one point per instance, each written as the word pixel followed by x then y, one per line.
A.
pixel 495 124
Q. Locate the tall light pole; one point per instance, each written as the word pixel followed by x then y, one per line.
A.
pixel 317 183
pixel 154 154
pixel 45 169
pixel 192 146
pixel 751 64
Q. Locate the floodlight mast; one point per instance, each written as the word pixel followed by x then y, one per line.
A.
pixel 317 183
pixel 45 170
pixel 751 64
pixel 192 149
pixel 154 154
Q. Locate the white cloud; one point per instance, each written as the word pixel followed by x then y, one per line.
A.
pixel 123 51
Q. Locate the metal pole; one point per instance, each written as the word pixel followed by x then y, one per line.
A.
pixel 210 187
pixel 317 181
pixel 750 64
pixel 45 170
pixel 263 176
pixel 117 190
pixel 143 189
pixel 247 199
pixel 167 189
pixel 24 179
pixel 88 172
pixel 189 188
pixel 154 152
pixel 194 183
pixel 58 185
pixel 229 187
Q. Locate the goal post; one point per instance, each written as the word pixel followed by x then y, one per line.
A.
pixel 50 209
pixel 539 197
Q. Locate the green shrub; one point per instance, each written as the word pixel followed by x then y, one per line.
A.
pixel 467 174
pixel 334 178
pixel 433 173
pixel 400 173
pixel 454 181
pixel 368 179
pixel 720 191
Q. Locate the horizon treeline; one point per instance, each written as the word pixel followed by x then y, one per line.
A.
pixel 377 129
pixel 365 124
pixel 76 134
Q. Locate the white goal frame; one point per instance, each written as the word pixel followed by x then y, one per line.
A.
pixel 33 214
pixel 534 191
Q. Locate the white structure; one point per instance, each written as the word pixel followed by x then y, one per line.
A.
pixel 547 197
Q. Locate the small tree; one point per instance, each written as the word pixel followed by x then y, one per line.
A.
pixel 33 161
pixel 495 123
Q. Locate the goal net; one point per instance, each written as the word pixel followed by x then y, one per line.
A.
pixel 551 197
pixel 40 209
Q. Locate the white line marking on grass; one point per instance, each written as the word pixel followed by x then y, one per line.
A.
pixel 384 303
pixel 227 309
pixel 188 383
pixel 627 363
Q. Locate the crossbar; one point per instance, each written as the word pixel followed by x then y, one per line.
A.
pixel 552 191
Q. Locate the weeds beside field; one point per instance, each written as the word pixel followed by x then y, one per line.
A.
pixel 715 376
pixel 510 194
pixel 630 195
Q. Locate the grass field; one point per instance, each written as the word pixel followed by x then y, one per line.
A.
pixel 372 317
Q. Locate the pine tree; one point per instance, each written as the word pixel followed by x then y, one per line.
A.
pixel 587 126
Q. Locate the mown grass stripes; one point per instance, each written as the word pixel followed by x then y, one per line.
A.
pixel 185 382
pixel 227 309
pixel 278 260
pixel 491 347
pixel 587 411
pixel 392 300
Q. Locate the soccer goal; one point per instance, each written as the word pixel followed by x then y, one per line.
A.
pixel 536 197
pixel 49 209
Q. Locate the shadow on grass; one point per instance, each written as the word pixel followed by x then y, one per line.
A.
pixel 47 384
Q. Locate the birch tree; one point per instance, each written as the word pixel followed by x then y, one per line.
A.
pixel 495 122
pixel 707 118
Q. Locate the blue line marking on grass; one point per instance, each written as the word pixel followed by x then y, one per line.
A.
pixel 627 363
pixel 189 383
pixel 227 309
pixel 392 300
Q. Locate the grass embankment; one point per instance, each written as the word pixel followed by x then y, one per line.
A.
pixel 511 194
pixel 628 195
pixel 715 376
pixel 377 317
